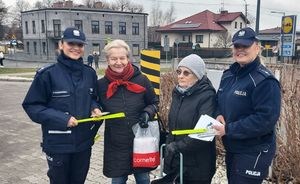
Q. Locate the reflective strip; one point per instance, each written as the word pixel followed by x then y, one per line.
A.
pixel 59 132
pixel 59 92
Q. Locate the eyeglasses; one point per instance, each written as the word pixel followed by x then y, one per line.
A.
pixel 72 44
pixel 184 72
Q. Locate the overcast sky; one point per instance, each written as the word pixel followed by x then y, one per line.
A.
pixel 184 8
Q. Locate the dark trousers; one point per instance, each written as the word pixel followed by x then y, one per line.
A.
pixel 70 168
pixel 248 168
pixel 1 62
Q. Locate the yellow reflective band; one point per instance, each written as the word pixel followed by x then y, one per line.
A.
pixel 152 66
pixel 190 131
pixel 151 53
pixel 110 116
pixel 156 91
pixel 153 78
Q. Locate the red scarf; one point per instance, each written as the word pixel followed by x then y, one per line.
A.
pixel 118 79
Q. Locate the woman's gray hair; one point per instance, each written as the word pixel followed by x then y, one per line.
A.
pixel 116 44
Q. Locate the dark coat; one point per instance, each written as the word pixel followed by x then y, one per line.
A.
pixel 58 92
pixel 118 135
pixel 186 109
pixel 249 99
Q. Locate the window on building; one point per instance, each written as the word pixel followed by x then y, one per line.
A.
pixel 187 38
pixel 122 27
pixel 33 27
pixel 96 48
pixel 44 48
pixel 34 48
pixel 235 25
pixel 57 28
pixel 199 38
pixel 95 27
pixel 135 49
pixel 27 47
pixel 43 26
pixel 108 27
pixel 26 27
pixel 78 24
pixel 241 25
pixel 135 28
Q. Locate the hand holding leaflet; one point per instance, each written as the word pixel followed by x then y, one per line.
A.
pixel 205 122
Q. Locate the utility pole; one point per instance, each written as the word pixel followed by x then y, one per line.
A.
pixel 246 10
pixel 257 17
pixel 281 35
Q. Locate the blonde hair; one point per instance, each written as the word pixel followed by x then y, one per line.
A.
pixel 116 44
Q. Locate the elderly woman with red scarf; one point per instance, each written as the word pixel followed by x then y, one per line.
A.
pixel 124 89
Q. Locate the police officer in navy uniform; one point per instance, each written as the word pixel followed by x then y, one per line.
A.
pixel 249 107
pixel 61 94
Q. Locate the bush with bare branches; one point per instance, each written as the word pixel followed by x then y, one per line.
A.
pixel 286 166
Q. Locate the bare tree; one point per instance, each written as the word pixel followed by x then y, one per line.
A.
pixel 43 4
pixel 21 5
pixel 3 12
pixel 170 14
pixel 156 15
pixel 159 18
pixel 126 6
pixel 223 40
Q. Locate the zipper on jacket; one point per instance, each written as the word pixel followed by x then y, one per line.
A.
pixel 124 103
pixel 178 108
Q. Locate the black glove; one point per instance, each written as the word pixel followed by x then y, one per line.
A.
pixel 171 149
pixel 143 120
pixel 169 154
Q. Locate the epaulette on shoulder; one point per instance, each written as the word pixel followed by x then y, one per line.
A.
pixel 44 68
pixel 264 71
pixel 261 74
pixel 226 73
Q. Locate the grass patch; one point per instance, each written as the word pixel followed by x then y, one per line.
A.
pixel 26 76
pixel 16 70
pixel 100 71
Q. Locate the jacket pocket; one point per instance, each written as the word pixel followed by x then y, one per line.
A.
pixel 58 137
pixel 254 165
pixel 60 100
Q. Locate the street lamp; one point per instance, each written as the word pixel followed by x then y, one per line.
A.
pixel 281 35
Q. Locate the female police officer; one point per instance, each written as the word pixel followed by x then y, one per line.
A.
pixel 249 107
pixel 59 95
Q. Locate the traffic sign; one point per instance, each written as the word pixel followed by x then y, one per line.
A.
pixel 288 34
pixel 13 42
pixel 166 44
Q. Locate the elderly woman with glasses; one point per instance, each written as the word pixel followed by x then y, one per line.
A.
pixel 192 97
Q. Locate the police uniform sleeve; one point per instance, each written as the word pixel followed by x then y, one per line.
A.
pixel 35 104
pixel 266 100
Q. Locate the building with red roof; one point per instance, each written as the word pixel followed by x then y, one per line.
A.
pixel 205 28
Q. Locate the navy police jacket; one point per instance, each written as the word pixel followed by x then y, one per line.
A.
pixel 249 99
pixel 64 89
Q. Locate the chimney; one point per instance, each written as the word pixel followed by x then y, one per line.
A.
pixel 58 4
pixel 68 4
pixel 224 11
pixel 98 5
